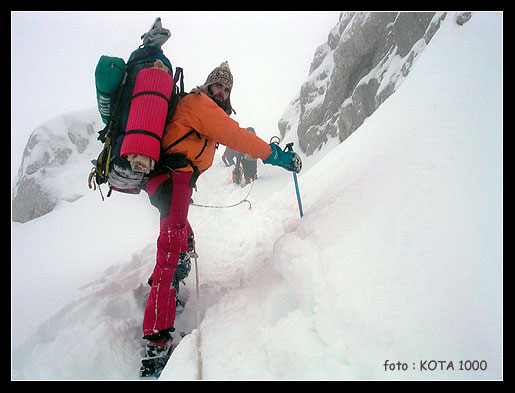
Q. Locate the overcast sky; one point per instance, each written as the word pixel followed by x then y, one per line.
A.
pixel 54 55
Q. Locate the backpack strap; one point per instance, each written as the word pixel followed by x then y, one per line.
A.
pixel 192 131
pixel 151 92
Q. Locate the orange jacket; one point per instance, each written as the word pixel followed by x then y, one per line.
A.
pixel 200 113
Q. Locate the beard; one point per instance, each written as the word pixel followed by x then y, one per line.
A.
pixel 224 104
pixel 219 98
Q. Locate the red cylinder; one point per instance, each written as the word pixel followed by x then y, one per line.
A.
pixel 147 114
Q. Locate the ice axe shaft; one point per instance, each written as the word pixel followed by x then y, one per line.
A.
pixel 298 194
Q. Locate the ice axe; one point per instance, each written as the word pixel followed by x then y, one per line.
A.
pixel 298 165
pixel 289 147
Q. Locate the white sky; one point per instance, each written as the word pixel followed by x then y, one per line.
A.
pixel 54 55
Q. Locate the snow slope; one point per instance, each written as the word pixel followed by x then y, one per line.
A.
pixel 398 256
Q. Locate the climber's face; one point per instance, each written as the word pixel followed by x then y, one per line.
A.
pixel 220 92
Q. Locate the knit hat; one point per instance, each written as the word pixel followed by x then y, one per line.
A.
pixel 221 74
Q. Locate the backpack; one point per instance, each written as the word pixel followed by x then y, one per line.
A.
pixel 125 92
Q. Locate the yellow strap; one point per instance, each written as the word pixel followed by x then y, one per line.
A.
pixel 90 179
pixel 108 160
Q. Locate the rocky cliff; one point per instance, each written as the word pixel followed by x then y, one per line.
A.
pixel 365 59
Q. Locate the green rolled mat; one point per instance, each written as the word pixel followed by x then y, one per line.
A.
pixel 108 76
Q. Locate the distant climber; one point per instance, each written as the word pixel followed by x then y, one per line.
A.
pixel 245 170
pixel 229 156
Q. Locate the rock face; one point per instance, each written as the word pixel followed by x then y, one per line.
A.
pixel 366 57
pixel 43 178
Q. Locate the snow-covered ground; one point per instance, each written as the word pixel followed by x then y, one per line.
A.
pixel 398 257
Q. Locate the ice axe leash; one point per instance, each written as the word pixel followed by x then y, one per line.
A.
pixel 289 147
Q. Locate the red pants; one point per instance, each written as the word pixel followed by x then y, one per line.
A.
pixel 171 194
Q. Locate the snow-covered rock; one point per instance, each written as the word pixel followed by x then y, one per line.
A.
pixel 49 172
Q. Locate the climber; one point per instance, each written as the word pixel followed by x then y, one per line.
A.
pixel 249 165
pixel 245 170
pixel 201 121
pixel 229 156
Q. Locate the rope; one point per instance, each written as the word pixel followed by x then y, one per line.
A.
pixel 199 355
pixel 225 207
